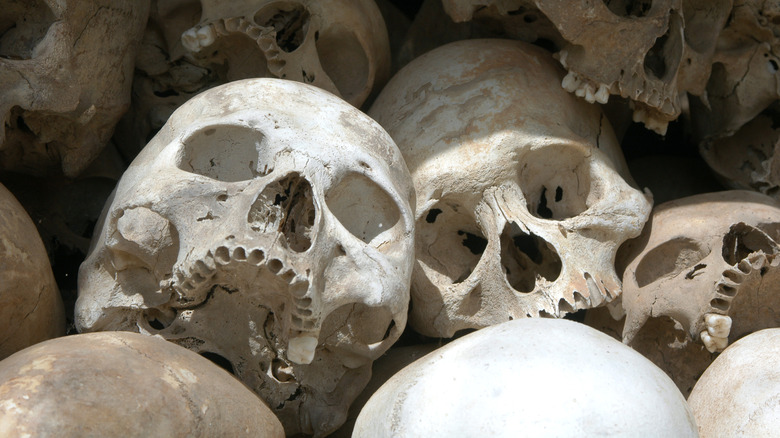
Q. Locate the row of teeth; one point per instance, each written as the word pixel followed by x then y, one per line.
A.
pixel 205 34
pixel 715 338
pixel 199 275
pixel 656 118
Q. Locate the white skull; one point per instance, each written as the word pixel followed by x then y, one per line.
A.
pixel 647 51
pixel 707 262
pixel 268 223
pixel 65 71
pixel 337 45
pixel 521 197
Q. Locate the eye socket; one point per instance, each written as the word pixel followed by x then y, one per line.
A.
pixel 227 153
pixel 669 259
pixel 449 241
pixel 363 208
pixel 556 183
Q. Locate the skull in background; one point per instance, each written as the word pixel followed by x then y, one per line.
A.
pixel 521 193
pixel 269 226
pixel 65 72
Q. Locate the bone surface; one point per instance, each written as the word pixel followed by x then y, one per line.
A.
pixel 30 302
pixel 269 223
pixel 124 384
pixel 475 386
pixel 737 395
pixel 65 76
pixel 522 192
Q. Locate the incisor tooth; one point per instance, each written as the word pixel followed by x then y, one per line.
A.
pixel 602 96
pixel 718 325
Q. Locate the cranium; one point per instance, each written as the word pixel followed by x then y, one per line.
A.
pixel 647 51
pixel 31 309
pixel 521 197
pixel 708 264
pixel 65 82
pixel 745 78
pixel 268 223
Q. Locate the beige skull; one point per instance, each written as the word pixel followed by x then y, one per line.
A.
pixel 521 197
pixel 268 223
pixel 65 71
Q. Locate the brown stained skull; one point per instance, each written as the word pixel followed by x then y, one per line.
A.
pixel 648 51
pixel 337 45
pixel 267 226
pixel 521 197
pixel 709 263
pixel 65 82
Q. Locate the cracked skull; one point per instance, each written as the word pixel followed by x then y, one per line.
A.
pixel 521 196
pixel 267 226
pixel 64 83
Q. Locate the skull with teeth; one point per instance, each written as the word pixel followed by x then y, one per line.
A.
pixel 521 196
pixel 709 262
pixel 268 226
pixel 64 83
pixel 338 45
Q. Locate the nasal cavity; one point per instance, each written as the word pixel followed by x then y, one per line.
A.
pixel 286 206
pixel 526 258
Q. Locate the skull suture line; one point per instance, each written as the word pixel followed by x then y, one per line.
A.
pixel 521 197
pixel 269 223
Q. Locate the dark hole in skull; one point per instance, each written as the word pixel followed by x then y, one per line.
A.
pixel 289 20
pixel 670 259
pixel 556 183
pixel 286 206
pixel 743 239
pixel 664 57
pixel 526 258
pixel 219 360
pixel 229 58
pixel 629 8
pixel 364 209
pixel 227 153
pixel 23 24
pixel 449 241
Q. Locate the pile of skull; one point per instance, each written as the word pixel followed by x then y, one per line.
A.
pixel 265 241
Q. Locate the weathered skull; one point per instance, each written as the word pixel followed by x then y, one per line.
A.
pixel 337 45
pixel 647 51
pixel 268 223
pixel 521 201
pixel 695 260
pixel 749 159
pixel 745 78
pixel 65 72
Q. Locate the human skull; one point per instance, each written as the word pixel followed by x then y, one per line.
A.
pixel 337 45
pixel 646 51
pixel 521 197
pixel 268 223
pixel 31 309
pixel 64 82
pixel 124 384
pixel 749 159
pixel 745 76
pixel 709 262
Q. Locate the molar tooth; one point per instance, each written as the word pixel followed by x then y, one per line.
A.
pixel 712 343
pixel 719 326
pixel 189 39
pixel 222 255
pixel 206 36
pixel 253 32
pixel 301 349
pixel 602 96
pixel 570 82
